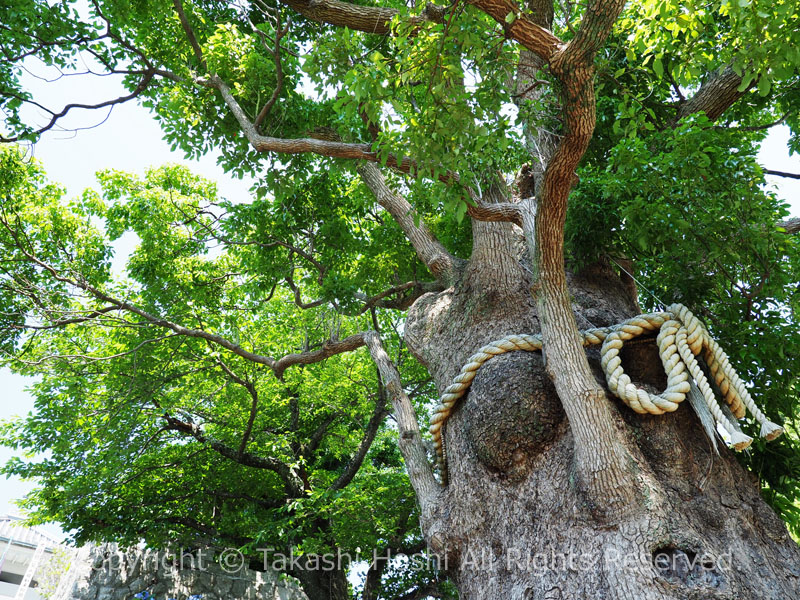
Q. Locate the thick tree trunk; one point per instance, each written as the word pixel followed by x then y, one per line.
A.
pixel 323 584
pixel 515 522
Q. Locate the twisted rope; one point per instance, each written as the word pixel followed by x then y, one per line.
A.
pixel 681 337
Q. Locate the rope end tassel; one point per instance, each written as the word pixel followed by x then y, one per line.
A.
pixel 681 338
pixel 740 441
pixel 770 431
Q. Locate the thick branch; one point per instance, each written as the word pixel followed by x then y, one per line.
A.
pixel 602 458
pixel 333 149
pixel 791 225
pixel 575 71
pixel 523 28
pixel 595 28
pixel 503 212
pixel 410 441
pixel 415 289
pixel 329 348
pixel 187 29
pixel 715 96
pixel 532 90
pixel 322 147
pixel 428 248
pixel 369 19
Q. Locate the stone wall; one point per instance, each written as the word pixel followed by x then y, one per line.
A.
pixel 109 573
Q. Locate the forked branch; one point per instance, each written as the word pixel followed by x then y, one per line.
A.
pixel 333 149
pixel 55 117
pixel 278 366
pixel 284 471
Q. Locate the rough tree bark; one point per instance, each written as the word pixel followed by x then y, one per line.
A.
pixel 557 491
pixel 515 522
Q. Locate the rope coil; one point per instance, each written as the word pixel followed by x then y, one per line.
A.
pixel 681 337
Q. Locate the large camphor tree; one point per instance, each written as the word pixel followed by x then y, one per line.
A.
pixel 260 373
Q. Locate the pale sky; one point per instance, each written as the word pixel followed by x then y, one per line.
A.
pixel 130 140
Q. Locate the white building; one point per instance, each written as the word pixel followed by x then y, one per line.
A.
pixel 24 552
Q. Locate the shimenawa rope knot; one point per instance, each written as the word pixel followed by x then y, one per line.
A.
pixel 681 337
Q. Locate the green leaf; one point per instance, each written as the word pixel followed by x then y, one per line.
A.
pixel 764 85
pixel 658 67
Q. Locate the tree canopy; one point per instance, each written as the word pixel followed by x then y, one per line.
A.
pixel 216 391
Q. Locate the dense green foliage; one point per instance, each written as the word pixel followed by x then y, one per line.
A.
pixel 107 392
pixel 109 442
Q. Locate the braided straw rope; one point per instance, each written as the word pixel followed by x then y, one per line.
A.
pixel 681 337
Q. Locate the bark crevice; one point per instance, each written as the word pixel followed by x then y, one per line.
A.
pixel 515 514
